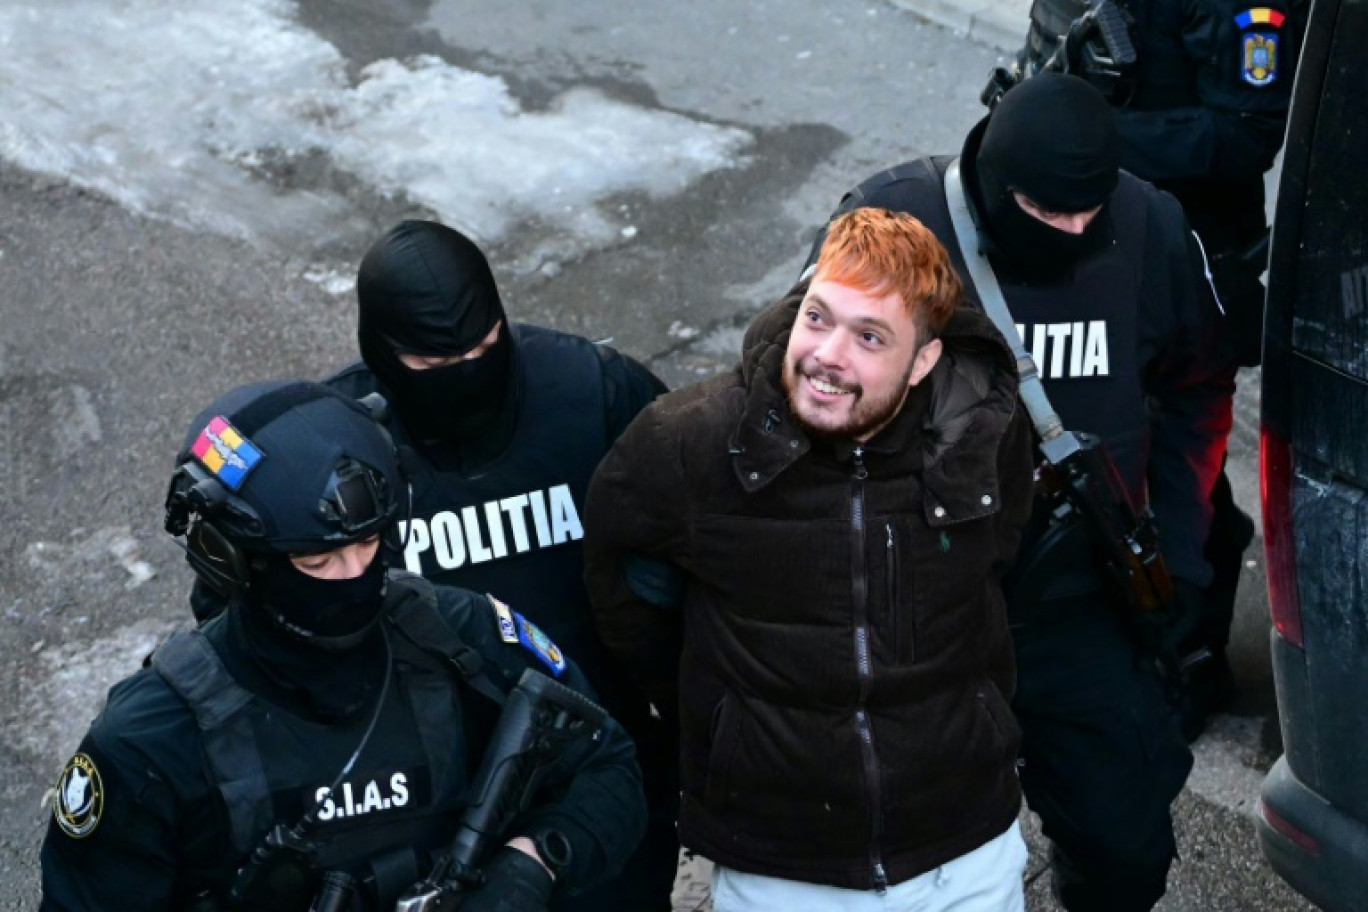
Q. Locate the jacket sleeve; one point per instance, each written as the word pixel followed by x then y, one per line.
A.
pixel 630 387
pixel 592 793
pixel 1232 129
pixel 1190 378
pixel 634 527
pixel 129 860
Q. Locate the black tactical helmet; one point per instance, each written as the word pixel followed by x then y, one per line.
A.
pixel 282 467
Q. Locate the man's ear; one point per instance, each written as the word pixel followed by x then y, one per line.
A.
pixel 926 358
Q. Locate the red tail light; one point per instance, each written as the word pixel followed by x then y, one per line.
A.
pixel 1278 822
pixel 1275 489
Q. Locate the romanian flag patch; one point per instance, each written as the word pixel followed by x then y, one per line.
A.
pixel 226 453
pixel 1259 15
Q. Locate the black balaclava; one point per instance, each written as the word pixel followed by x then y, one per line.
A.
pixel 1052 139
pixel 426 289
pixel 328 615
pixel 318 640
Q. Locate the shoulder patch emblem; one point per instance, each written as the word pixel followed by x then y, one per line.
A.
pixel 540 645
pixel 80 798
pixel 1259 44
pixel 508 628
pixel 225 452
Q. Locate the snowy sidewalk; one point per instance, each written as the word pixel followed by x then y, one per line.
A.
pixel 997 23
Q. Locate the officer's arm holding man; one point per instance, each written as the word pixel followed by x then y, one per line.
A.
pixel 323 671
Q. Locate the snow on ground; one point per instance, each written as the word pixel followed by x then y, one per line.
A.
pixel 183 109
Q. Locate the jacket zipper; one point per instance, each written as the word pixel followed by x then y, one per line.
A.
pixel 864 667
pixel 895 618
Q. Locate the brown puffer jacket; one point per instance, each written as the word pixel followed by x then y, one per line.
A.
pixel 841 651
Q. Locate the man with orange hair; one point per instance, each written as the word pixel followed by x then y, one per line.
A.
pixel 803 557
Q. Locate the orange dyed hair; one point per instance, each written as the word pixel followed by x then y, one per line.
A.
pixel 878 251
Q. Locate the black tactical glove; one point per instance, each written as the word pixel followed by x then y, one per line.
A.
pixel 513 882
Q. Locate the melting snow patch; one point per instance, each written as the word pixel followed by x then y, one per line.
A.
pixel 333 281
pixel 176 108
pixel 678 330
pixel 92 551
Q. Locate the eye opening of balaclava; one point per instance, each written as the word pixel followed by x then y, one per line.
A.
pixel 424 288
pixel 1052 139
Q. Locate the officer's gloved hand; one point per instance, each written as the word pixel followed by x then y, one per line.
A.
pixel 514 882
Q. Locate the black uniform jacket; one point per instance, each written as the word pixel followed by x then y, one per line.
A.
pixel 845 666
pixel 512 527
pixel 1213 84
pixel 161 832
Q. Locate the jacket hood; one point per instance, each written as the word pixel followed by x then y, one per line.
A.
pixel 971 391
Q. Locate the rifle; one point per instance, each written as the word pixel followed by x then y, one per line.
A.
pixel 540 720
pixel 1096 47
pixel 1084 478
pixel 1079 476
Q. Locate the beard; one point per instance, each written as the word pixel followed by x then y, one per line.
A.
pixel 858 414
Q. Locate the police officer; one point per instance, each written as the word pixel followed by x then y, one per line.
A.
pixel 1105 284
pixel 329 701
pixel 1202 115
pixel 503 424
pixel 1212 86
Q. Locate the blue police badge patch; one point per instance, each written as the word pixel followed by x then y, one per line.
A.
pixel 508 628
pixel 540 645
pixel 80 798
pixel 1260 59
pixel 1259 48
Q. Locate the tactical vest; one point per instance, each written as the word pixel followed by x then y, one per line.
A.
pixel 514 530
pixel 1086 337
pixel 271 767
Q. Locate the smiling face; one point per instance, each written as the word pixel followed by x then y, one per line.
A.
pixel 851 358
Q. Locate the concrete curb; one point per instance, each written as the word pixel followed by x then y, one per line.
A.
pixel 1000 24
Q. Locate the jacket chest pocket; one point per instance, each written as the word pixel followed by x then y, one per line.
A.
pixel 923 580
pixel 898 618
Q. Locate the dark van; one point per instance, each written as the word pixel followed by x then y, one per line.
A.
pixel 1313 813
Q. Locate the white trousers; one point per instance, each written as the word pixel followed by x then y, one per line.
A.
pixel 987 879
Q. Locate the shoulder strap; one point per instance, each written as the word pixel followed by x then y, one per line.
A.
pixel 414 614
pixel 1055 442
pixel 192 668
